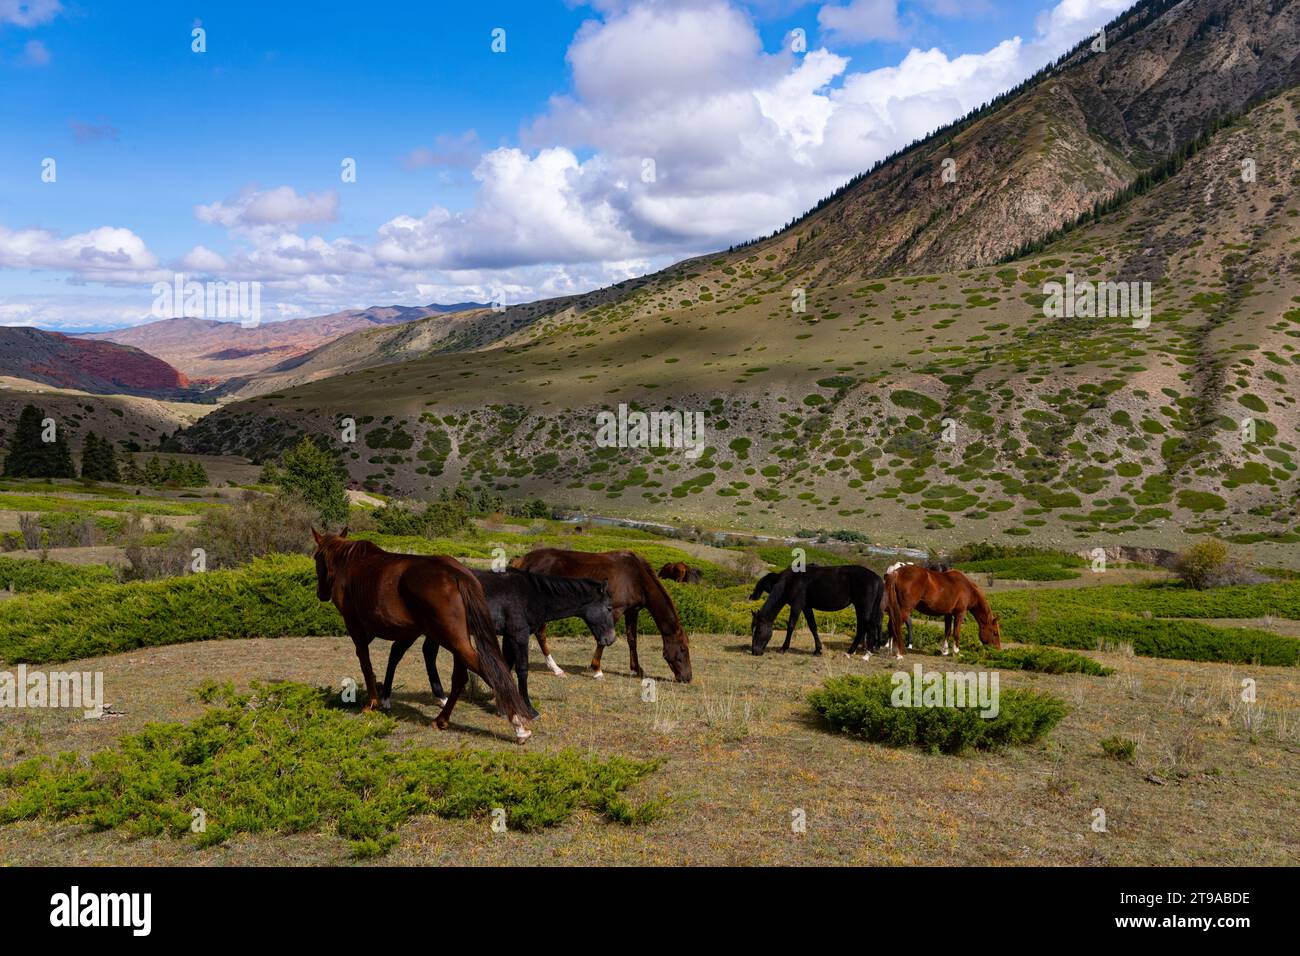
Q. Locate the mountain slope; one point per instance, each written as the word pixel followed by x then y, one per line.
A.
pixel 216 351
pixel 915 408
pixel 51 358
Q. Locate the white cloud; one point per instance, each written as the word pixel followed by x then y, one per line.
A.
pixel 106 254
pixel 681 135
pixel 281 206
pixel 35 53
pixel 860 20
pixel 29 13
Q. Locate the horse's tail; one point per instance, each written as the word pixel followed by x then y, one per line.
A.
pixel 877 613
pixel 893 604
pixel 510 703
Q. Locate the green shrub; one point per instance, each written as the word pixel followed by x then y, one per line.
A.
pixel 1119 748
pixel 1043 660
pixel 231 762
pixel 863 707
pixel 1209 564
pixel 23 575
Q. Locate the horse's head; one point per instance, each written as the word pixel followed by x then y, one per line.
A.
pixel 599 616
pixel 761 633
pixel 991 632
pixel 326 548
pixel 677 653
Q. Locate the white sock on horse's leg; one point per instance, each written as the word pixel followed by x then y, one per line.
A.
pixel 555 668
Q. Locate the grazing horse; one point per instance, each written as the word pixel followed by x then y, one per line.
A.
pixel 399 597
pixel 946 594
pixel 521 602
pixel 681 572
pixel 632 586
pixel 818 588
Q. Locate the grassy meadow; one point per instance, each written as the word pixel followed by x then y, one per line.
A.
pixel 1119 689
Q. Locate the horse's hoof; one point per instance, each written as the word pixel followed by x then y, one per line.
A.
pixel 599 675
pixel 817 653
pixel 533 714
pixel 866 656
pixel 387 703
pixel 368 708
pixel 522 734
pixel 441 723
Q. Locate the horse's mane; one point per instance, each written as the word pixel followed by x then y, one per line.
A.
pixel 651 582
pixel 348 548
pixel 556 586
pixel 777 599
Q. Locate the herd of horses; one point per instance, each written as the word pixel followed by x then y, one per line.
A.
pixel 398 597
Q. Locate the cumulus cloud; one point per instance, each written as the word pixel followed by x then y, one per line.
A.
pixel 106 254
pixel 282 206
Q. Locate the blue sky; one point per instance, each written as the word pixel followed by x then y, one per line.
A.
pixel 523 171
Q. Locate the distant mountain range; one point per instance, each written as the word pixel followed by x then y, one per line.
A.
pixel 211 351
pixel 104 368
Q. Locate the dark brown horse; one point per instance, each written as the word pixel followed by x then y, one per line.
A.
pixel 817 588
pixel 632 586
pixel 681 572
pixel 399 597
pixel 946 594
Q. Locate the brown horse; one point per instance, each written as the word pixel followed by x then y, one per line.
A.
pixel 399 597
pixel 681 572
pixel 632 586
pixel 946 594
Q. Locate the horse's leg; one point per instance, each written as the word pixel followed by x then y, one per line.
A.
pixel 362 644
pixel 459 675
pixel 909 633
pixel 629 619
pixel 431 668
pixel 947 632
pixel 546 652
pixel 514 647
pixel 812 626
pixel 863 625
pixel 394 658
pixel 956 632
pixel 904 617
pixel 795 611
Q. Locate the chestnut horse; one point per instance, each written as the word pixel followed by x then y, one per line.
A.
pixel 681 572
pixel 946 594
pixel 399 597
pixel 632 586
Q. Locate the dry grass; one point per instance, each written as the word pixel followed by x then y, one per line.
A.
pixel 1211 774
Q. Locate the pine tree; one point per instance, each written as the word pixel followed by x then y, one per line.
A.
pixel 98 462
pixel 25 449
pixel 60 457
pixel 311 473
pixel 30 456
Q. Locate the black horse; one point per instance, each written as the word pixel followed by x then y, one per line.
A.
pixel 521 603
pixel 818 588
